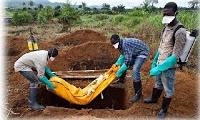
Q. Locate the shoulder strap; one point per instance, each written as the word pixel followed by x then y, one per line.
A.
pixel 173 36
pixel 163 30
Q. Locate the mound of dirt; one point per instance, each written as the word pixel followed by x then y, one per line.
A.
pixel 79 37
pixel 16 45
pixel 90 55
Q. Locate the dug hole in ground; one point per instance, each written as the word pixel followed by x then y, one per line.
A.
pixel 91 50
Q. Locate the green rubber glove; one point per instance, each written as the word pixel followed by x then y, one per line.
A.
pixel 45 81
pixel 120 60
pixel 154 72
pixel 166 64
pixel 49 72
pixel 122 69
pixel 155 59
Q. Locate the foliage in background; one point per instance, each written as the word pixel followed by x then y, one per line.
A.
pixel 21 18
pixel 45 15
pixel 189 18
pixel 69 16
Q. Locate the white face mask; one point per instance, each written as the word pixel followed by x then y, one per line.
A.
pixel 116 45
pixel 52 58
pixel 167 19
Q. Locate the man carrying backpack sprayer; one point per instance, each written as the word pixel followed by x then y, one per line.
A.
pixel 173 41
pixel 37 60
pixel 133 53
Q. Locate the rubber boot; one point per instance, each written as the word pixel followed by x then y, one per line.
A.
pixel 164 107
pixel 138 91
pixel 32 99
pixel 155 96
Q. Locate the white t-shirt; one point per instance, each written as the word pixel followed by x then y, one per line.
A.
pixel 35 59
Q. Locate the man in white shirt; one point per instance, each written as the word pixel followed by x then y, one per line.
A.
pixel 37 60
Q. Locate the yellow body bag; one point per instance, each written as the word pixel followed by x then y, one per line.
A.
pixel 86 95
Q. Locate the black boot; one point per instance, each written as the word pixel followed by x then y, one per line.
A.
pixel 32 99
pixel 164 107
pixel 138 91
pixel 155 96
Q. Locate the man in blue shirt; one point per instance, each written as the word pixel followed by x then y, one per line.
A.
pixel 133 53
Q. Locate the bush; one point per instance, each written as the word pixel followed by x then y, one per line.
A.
pixel 45 15
pixel 21 18
pixel 138 13
pixel 156 21
pixel 118 19
pixel 101 17
pixel 133 21
pixel 69 15
pixel 189 19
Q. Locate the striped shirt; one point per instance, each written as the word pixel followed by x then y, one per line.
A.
pixel 131 48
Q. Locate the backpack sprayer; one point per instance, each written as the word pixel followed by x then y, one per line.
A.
pixel 189 44
pixel 190 41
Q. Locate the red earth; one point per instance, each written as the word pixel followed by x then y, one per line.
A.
pixel 87 49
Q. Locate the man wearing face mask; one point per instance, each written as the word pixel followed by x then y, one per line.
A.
pixel 169 51
pixel 133 53
pixel 37 60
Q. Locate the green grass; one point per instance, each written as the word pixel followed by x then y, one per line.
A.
pixel 8 14
pixel 189 19
pixel 135 18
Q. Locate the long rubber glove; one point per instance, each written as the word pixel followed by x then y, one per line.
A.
pixel 49 72
pixel 122 69
pixel 120 60
pixel 166 64
pixel 45 81
pixel 155 59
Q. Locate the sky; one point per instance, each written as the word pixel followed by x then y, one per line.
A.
pixel 126 3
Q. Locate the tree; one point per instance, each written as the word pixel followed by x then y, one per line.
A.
pixel 45 14
pixel 79 6
pixel 57 11
pixel 149 4
pixel 24 4
pixel 106 8
pixel 114 9
pixel 22 17
pixel 95 10
pixel 31 4
pixel 68 17
pixel 194 4
pixel 119 8
pixel 57 7
pixel 40 6
pixel 83 5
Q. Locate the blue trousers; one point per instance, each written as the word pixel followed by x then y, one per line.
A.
pixel 166 80
pixel 31 76
pixel 137 64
